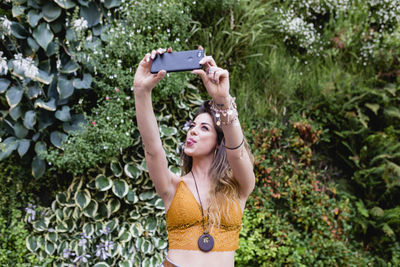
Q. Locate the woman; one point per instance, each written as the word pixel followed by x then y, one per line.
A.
pixel 204 207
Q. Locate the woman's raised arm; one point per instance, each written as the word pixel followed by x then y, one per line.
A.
pixel 156 159
pixel 216 81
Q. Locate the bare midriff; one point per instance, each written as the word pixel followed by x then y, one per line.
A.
pixel 197 258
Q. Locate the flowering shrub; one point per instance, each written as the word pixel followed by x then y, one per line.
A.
pixel 314 26
pixel 127 40
pixel 294 216
pixel 40 77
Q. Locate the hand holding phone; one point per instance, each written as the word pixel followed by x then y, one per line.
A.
pixel 177 61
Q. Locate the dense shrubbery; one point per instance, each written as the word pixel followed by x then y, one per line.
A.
pixel 15 194
pixel 295 215
pixel 328 201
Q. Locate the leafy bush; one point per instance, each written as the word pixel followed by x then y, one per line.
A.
pixel 141 27
pixel 41 80
pixel 13 231
pixel 364 141
pixel 295 216
pixel 111 215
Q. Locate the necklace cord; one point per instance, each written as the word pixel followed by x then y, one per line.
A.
pixel 202 212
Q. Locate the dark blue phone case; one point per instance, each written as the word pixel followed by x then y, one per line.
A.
pixel 177 61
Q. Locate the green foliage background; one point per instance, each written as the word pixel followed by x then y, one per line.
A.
pixel 317 87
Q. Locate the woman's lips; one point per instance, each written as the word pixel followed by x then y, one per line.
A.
pixel 190 142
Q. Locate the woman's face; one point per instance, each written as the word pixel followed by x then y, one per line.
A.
pixel 201 139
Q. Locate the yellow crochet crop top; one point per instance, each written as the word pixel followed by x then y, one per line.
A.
pixel 184 223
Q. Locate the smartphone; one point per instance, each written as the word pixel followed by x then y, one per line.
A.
pixel 177 61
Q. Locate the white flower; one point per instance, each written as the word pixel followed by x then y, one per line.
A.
pixel 26 65
pixel 5 24
pixel 3 64
pixel 80 24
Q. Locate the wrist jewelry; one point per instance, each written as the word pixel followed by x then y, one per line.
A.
pixel 234 148
pixel 225 116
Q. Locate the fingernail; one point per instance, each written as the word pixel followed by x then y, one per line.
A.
pixel 152 56
pixel 147 59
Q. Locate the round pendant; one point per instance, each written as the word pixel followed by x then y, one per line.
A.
pixel 206 242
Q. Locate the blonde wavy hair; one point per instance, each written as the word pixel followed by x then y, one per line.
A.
pixel 224 189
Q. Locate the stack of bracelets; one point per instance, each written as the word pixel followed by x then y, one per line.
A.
pixel 226 116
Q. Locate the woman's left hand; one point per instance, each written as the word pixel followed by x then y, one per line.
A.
pixel 215 79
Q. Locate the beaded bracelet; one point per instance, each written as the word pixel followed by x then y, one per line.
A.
pixel 229 114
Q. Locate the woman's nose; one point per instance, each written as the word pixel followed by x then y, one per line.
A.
pixel 193 131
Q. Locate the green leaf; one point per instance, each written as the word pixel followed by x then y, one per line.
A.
pixel 15 112
pixel 34 17
pixel 373 107
pixel 85 83
pixel 20 131
pixel 136 229
pixel 7 147
pixel 65 88
pixel 18 10
pixel 52 236
pixel 63 114
pixel 377 211
pixel 146 247
pixel 44 77
pixel 103 183
pixel 167 131
pixel 116 168
pixel 388 230
pixel 131 197
pixel 66 4
pixel 120 188
pixel 19 31
pixel 14 96
pixel 82 198
pixel 61 198
pixel 51 12
pixel 57 138
pixel 151 224
pixel 88 229
pixel 40 146
pixel 131 170
pixel 30 119
pixel 33 92
pixel 31 243
pixel 113 205
pixel 50 247
pixel 91 209
pixel 147 195
pixel 101 264
pixel 361 208
pixel 91 14
pixel 38 167
pixel 43 35
pixel 23 146
pixel 78 123
pixel 32 43
pixel 125 263
pixel 70 67
pixel 111 3
pixel 4 83
pixel 392 111
pixel 50 105
pixel 124 235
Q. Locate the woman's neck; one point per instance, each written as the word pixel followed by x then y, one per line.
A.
pixel 201 167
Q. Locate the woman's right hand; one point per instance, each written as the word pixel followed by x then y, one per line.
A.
pixel 144 80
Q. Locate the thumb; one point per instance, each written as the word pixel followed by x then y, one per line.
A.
pixel 160 75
